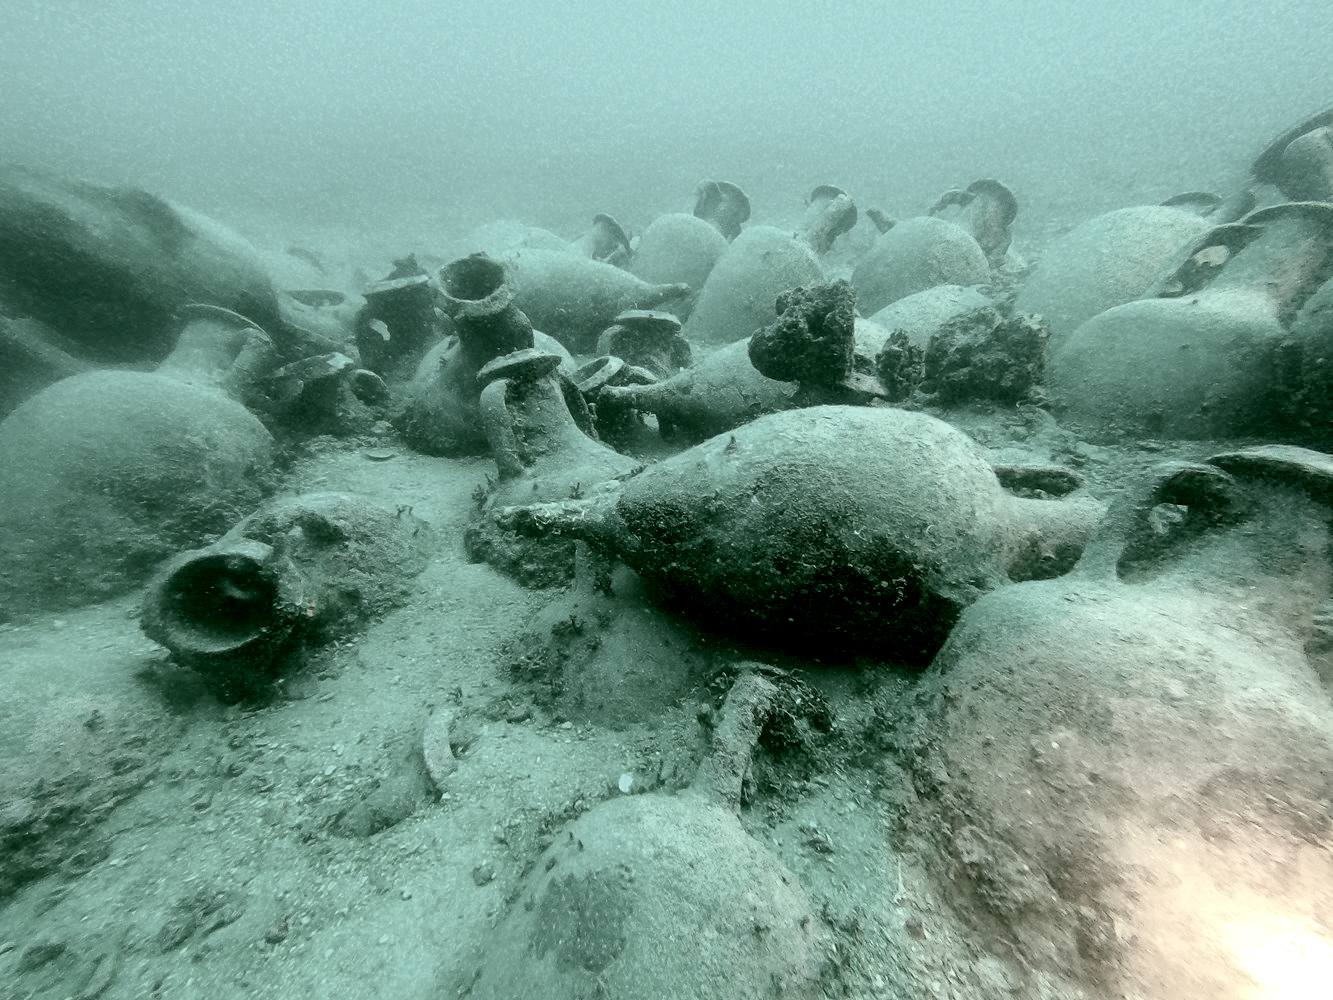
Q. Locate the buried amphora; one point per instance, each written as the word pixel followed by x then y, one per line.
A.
pixel 1126 769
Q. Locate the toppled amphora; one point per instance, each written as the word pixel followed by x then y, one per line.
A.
pixel 308 568
pixel 1138 752
pixel 843 529
pixel 574 298
pixel 665 896
pixel 543 451
pixel 1104 262
pixel 105 473
pixel 1299 162
pixel 110 267
pixel 1200 360
pixel 816 351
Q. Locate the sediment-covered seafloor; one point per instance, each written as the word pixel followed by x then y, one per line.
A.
pixel 769 601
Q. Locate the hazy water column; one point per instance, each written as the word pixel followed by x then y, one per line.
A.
pixel 450 113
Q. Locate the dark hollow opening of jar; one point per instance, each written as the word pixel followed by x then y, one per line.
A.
pixel 220 602
pixel 472 278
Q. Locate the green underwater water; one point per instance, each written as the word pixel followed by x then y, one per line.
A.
pixel 603 618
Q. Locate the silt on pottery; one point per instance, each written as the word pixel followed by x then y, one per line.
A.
pixel 538 428
pixel 106 473
pixel 319 394
pixel 1107 261
pixel 1200 360
pixel 1299 162
pixel 1137 753
pixel 721 390
pixel 109 267
pixel 987 210
pixel 326 394
pixel 440 414
pixel 914 255
pixel 829 213
pixel 303 569
pixel 1307 386
pixel 30 359
pixel 605 241
pixel 619 426
pixel 1202 203
pixel 678 249
pixel 723 206
pixel 923 313
pixel 495 239
pixel 726 388
pixel 842 529
pixel 639 870
pixel 739 297
pixel 398 322
pixel 648 339
pixel 574 298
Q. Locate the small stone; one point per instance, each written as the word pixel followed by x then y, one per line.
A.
pixel 278 932
pixel 519 713
pixel 380 454
pixel 483 874
pixel 625 783
pixel 405 894
pixel 436 749
pixel 816 839
pixel 38 954
pixel 104 968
